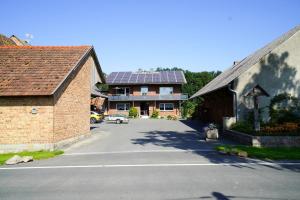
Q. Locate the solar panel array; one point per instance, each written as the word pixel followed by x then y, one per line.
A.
pixel 164 77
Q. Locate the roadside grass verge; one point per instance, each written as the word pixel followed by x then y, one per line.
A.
pixel 37 155
pixel 272 153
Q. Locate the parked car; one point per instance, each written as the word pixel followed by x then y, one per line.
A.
pixel 95 117
pixel 118 118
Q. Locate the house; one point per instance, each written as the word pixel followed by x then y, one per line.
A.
pixel 45 94
pixel 146 91
pixel 12 41
pixel 273 69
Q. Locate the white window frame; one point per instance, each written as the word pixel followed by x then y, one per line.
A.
pixel 126 106
pixel 164 105
pixel 172 90
pixel 147 90
pixel 124 94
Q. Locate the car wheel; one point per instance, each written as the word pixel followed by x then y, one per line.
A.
pixel 93 120
pixel 118 121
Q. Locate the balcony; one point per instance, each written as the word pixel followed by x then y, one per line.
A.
pixel 170 97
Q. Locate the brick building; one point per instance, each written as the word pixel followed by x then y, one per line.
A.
pixel 147 91
pixel 45 95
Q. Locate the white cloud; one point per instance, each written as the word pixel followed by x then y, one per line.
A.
pixel 29 36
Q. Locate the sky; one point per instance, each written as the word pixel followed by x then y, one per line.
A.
pixel 195 35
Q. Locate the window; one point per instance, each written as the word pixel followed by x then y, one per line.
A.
pixel 122 91
pixel 144 90
pixel 166 106
pixel 165 90
pixel 123 106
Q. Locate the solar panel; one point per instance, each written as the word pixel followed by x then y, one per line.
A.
pixel 111 77
pixel 119 77
pixel 179 76
pixel 148 78
pixel 133 78
pixel 142 78
pixel 172 77
pixel 156 78
pixel 126 77
pixel 164 77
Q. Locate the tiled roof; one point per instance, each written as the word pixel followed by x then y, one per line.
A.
pixel 36 70
pixel 163 77
pixel 235 71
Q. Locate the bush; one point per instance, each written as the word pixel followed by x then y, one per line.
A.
pixel 170 117
pixel 133 112
pixel 243 126
pixel 155 114
pixel 284 108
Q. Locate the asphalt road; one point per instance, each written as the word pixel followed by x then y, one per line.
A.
pixel 149 159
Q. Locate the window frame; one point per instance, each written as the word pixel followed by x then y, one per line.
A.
pixel 126 107
pixel 164 107
pixel 172 90
pixel 123 94
pixel 144 86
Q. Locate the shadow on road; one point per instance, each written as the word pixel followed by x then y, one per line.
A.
pixel 193 140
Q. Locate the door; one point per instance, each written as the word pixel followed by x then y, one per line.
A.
pixel 144 107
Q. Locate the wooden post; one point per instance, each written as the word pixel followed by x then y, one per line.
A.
pixel 256 114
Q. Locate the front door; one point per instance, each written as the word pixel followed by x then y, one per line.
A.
pixel 144 107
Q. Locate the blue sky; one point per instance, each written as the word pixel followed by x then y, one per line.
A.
pixel 127 35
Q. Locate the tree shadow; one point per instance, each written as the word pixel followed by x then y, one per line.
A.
pixel 193 141
pixel 220 196
pixel 276 76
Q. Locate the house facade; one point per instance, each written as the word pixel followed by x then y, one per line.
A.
pixel 147 92
pixel 45 95
pixel 273 69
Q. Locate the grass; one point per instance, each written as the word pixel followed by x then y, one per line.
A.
pixel 37 155
pixel 272 153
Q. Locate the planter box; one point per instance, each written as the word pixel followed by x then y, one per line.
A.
pixel 263 141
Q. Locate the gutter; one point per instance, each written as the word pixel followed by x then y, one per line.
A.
pixel 235 104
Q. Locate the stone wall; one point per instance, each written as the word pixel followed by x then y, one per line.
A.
pixel 263 141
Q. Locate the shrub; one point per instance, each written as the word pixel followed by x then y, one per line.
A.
pixel 133 112
pixel 243 126
pixel 155 114
pixel 170 117
pixel 284 108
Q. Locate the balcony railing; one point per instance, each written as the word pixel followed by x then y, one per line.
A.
pixel 171 97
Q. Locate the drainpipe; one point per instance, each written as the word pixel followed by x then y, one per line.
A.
pixel 235 103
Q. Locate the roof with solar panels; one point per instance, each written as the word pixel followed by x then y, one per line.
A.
pixel 138 78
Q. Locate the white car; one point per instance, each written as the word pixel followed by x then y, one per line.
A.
pixel 118 118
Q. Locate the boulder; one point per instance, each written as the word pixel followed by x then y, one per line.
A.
pixel 27 159
pixel 243 154
pixel 14 160
pixel 212 133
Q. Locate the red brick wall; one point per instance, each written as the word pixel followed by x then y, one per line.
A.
pixel 135 90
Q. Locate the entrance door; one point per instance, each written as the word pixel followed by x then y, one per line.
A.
pixel 144 107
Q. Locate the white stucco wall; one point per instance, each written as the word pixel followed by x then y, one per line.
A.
pixel 278 75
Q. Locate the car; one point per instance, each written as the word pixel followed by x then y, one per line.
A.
pixel 95 117
pixel 118 118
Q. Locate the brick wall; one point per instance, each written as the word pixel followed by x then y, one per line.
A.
pixel 19 126
pixel 72 105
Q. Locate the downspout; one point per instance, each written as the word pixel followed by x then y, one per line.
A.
pixel 235 103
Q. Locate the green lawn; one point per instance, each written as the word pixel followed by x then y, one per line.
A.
pixel 273 153
pixel 37 155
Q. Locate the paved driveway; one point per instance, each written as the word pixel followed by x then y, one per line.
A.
pixel 149 159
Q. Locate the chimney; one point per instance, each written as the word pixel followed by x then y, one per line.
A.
pixel 236 62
